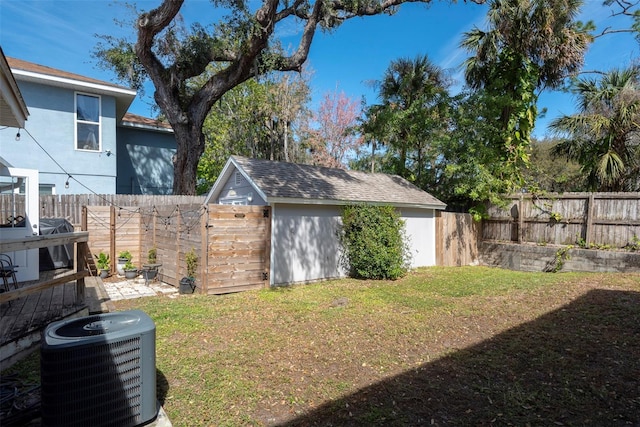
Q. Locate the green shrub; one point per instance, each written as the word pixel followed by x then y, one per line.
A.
pixel 191 259
pixel 374 242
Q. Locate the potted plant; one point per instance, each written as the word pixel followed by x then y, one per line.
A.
pixel 150 269
pixel 103 263
pixel 152 255
pixel 130 270
pixel 123 258
pixel 187 283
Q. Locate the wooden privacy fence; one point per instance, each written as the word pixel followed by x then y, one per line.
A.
pixel 231 243
pixel 69 206
pixel 456 239
pixel 601 219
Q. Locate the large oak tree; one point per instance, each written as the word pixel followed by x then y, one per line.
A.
pixel 243 42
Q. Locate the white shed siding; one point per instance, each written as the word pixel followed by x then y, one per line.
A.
pixel 305 247
pixel 304 244
pixel 420 226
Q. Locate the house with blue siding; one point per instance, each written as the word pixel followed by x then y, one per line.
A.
pixel 81 139
pixel 145 161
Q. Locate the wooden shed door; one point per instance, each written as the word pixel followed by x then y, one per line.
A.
pixel 238 243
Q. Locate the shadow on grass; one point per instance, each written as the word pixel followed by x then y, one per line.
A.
pixel 162 386
pixel 578 365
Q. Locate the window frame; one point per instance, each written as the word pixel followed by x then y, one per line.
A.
pixel 234 201
pixel 46 189
pixel 78 122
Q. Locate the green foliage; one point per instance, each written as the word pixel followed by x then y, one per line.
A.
pixel 602 137
pixel 193 68
pixel 542 34
pixel 125 255
pixel 128 266
pixel 258 119
pixel 561 256
pixel 499 117
pixel 465 150
pixel 191 258
pixel 411 120
pixel 374 242
pixel 582 244
pixel 103 261
pixel 555 216
pixel 550 173
pixel 152 256
pixel 634 245
pixel 527 46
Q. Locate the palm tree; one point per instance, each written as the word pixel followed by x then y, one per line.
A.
pixel 412 92
pixel 527 45
pixel 541 32
pixel 604 138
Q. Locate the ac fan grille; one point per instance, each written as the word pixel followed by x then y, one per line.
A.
pixel 102 385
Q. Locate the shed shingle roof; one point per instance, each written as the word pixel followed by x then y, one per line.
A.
pixel 283 180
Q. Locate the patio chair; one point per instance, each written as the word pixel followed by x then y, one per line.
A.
pixel 8 272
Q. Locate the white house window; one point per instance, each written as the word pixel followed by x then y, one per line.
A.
pixel 47 189
pixel 87 122
pixel 13 210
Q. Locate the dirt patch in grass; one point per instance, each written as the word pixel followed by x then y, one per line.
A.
pixel 464 346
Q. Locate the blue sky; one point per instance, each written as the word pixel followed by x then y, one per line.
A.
pixel 60 34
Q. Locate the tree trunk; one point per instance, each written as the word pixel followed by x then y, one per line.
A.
pixel 286 141
pixel 373 156
pixel 190 144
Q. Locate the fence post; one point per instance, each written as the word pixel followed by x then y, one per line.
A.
pixel 204 255
pixel 439 238
pixel 520 219
pixel 140 246
pixel 83 222
pixel 589 227
pixel 178 225
pixel 154 224
pixel 82 251
pixel 267 262
pixel 112 238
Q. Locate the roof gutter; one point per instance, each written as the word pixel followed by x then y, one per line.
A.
pixel 124 96
pixel 330 202
pixel 11 96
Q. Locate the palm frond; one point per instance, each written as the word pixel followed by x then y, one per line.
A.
pixel 610 167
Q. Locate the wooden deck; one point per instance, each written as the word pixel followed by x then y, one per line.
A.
pixel 23 320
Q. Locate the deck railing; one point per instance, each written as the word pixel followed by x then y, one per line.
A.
pixel 79 238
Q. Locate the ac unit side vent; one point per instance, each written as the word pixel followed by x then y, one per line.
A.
pixel 106 378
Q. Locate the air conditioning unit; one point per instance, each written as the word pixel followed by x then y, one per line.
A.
pixel 99 371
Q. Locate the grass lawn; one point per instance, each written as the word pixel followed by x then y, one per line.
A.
pixel 442 346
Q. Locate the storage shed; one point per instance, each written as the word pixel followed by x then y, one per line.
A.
pixel 306 204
